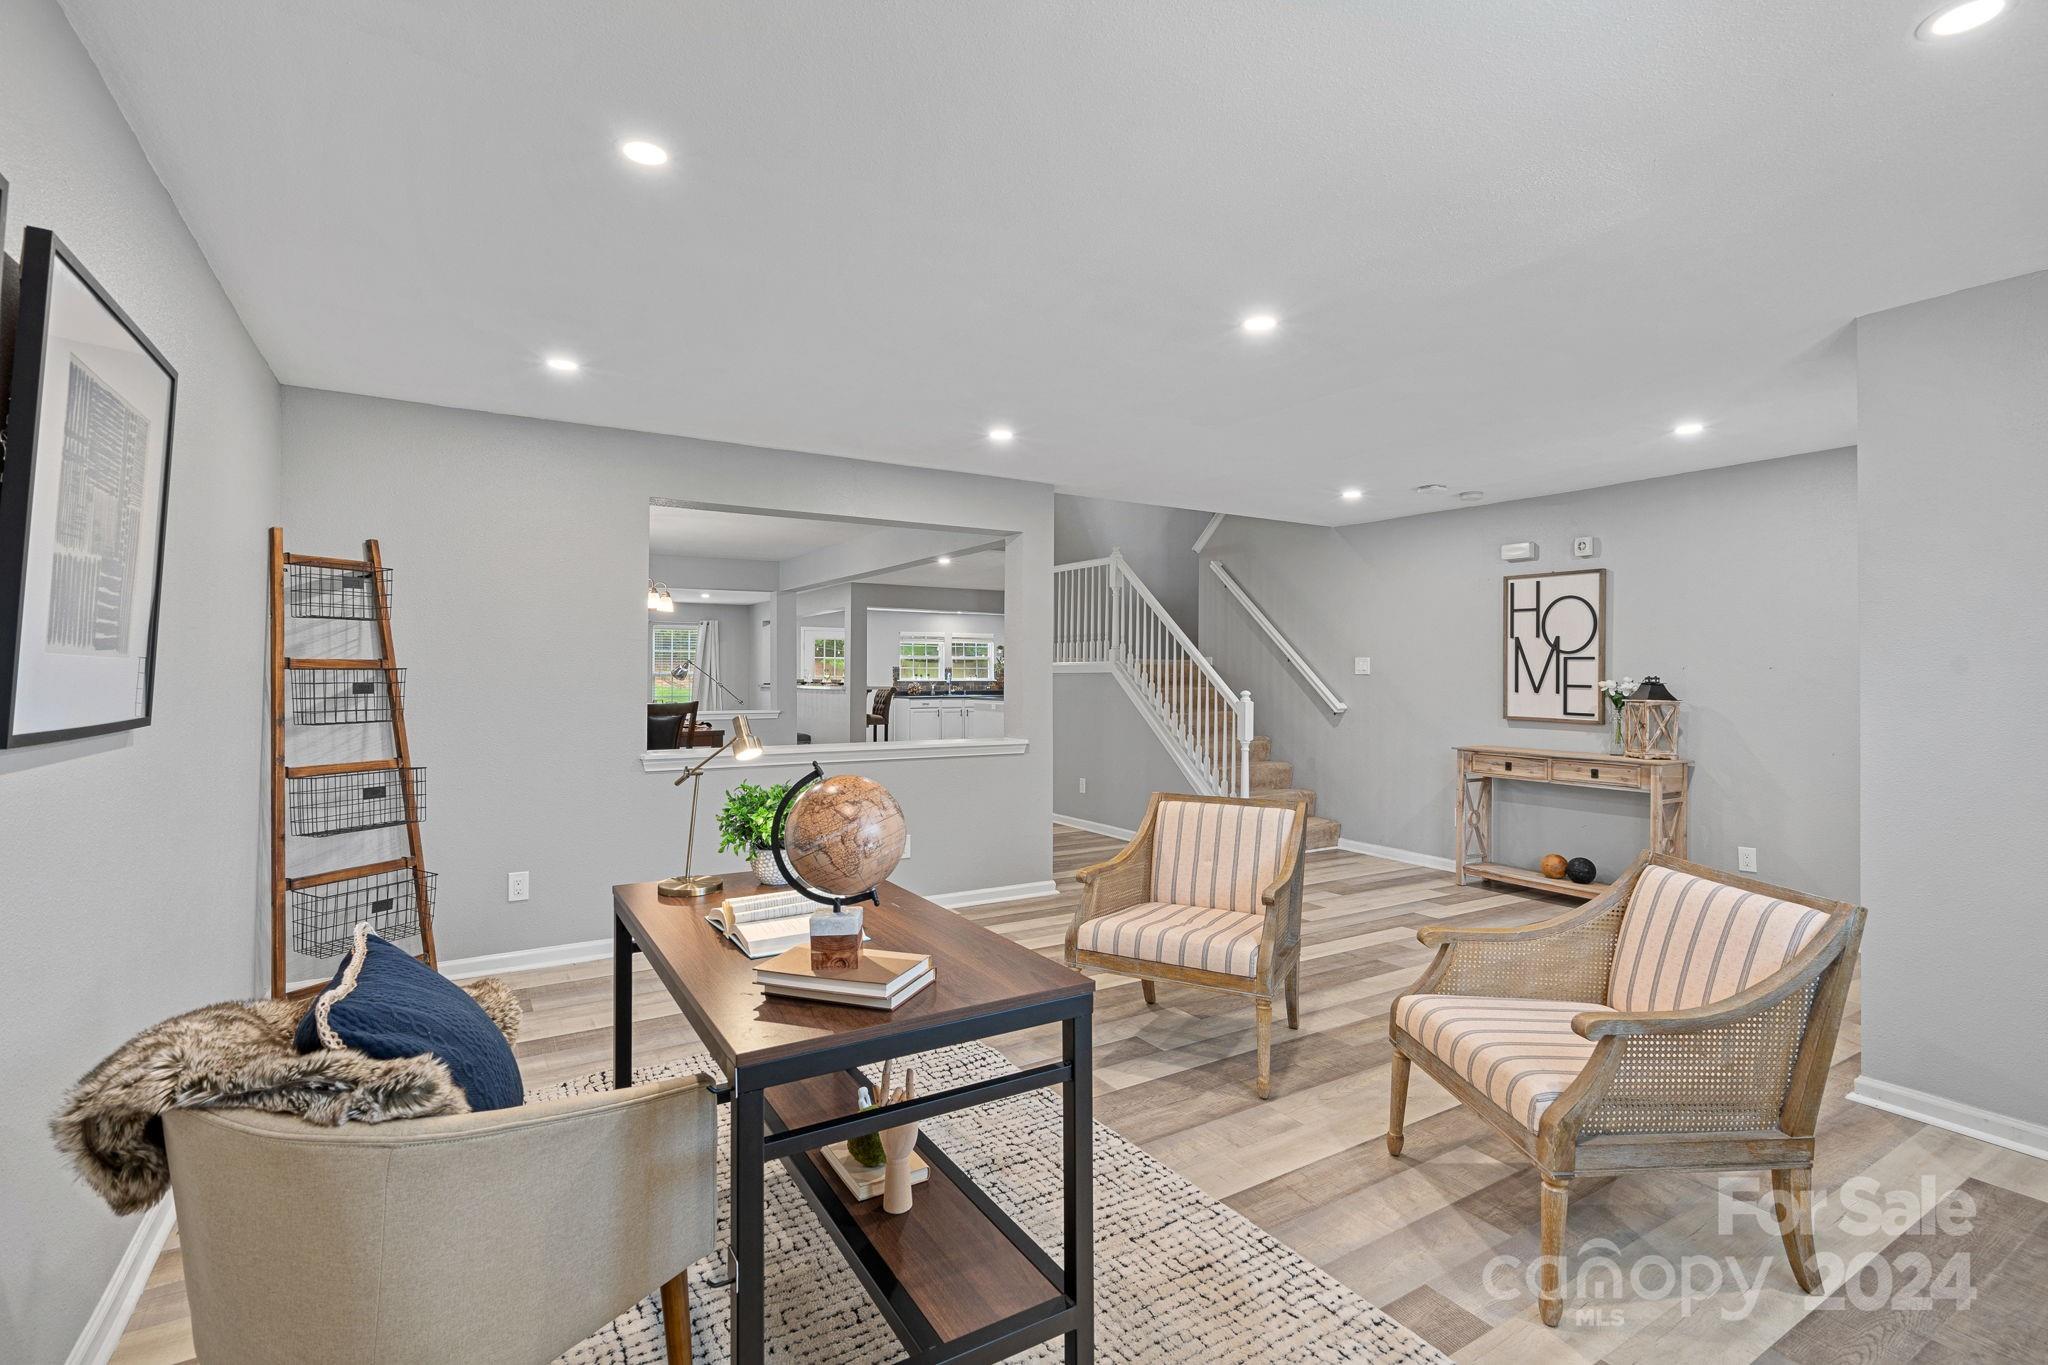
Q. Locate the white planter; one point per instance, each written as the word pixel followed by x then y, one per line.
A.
pixel 764 867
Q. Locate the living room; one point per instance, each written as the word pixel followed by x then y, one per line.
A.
pixel 1157 525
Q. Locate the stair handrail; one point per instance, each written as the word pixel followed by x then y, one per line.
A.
pixel 1336 704
pixel 1119 641
pixel 1172 627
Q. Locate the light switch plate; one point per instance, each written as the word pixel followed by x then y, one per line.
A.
pixel 1362 665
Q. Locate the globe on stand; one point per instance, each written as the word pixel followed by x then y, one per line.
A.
pixel 843 836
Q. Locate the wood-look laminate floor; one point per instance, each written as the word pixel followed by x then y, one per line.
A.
pixel 1919 1216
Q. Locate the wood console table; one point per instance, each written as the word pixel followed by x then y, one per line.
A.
pixel 956 1278
pixel 1662 780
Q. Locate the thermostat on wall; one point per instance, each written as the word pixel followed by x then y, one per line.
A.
pixel 1520 550
pixel 1585 547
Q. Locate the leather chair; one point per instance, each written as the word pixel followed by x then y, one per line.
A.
pixel 674 725
pixel 506 1236
pixel 878 711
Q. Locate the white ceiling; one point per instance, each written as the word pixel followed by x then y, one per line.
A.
pixel 710 534
pixel 1510 244
pixel 983 570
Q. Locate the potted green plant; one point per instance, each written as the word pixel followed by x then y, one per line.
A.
pixel 746 826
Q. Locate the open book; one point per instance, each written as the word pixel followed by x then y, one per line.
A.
pixel 767 924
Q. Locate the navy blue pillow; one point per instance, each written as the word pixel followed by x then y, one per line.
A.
pixel 401 1007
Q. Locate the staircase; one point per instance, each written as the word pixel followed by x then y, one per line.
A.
pixel 1106 621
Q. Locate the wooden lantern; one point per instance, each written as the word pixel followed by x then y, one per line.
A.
pixel 1649 721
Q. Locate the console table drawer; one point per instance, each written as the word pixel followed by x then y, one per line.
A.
pixel 1517 765
pixel 1593 773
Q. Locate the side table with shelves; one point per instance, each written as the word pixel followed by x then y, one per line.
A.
pixel 1663 782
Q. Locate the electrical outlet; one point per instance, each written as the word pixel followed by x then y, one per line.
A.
pixel 1745 859
pixel 1084 786
pixel 1362 665
pixel 518 885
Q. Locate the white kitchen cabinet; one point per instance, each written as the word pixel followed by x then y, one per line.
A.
pixel 928 718
pixel 985 720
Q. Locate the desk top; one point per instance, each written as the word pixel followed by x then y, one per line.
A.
pixel 978 973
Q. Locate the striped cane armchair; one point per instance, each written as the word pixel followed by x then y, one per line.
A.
pixel 1208 893
pixel 1682 1019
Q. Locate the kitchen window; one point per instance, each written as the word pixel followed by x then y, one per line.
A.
pixel 973 658
pixel 828 658
pixel 919 658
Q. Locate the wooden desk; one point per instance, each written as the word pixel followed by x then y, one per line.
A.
pixel 956 1278
pixel 1663 781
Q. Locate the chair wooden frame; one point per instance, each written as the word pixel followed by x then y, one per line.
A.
pixel 1126 880
pixel 1690 1089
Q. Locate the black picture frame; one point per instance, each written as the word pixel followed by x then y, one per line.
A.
pixel 43 256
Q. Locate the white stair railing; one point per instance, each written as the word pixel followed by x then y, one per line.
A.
pixel 1105 617
pixel 1288 652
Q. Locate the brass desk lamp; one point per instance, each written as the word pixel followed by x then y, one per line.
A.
pixel 745 747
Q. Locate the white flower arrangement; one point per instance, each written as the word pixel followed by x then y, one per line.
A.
pixel 1617 690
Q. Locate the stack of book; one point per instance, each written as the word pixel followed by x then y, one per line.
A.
pixel 882 981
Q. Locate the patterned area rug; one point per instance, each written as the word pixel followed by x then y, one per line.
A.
pixel 1178 1276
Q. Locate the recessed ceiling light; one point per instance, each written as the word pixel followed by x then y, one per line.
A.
pixel 1352 494
pixel 945 559
pixel 1470 495
pixel 1260 324
pixel 564 364
pixel 1002 436
pixel 644 153
pixel 1432 488
pixel 1688 428
pixel 1959 19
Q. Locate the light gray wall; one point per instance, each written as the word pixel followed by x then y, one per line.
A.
pixel 1952 515
pixel 532 761
pixel 131 865
pixel 1157 542
pixel 886 628
pixel 1737 585
pixel 1103 739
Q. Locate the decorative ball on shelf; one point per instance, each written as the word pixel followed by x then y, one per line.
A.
pixel 844 835
pixel 1580 870
pixel 1552 866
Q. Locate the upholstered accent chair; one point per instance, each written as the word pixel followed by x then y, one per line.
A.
pixel 1208 893
pixel 1684 1018
pixel 508 1235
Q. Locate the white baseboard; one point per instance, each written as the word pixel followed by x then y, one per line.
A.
pixel 527 959
pixel 110 1315
pixel 992 895
pixel 1399 855
pixel 1094 827
pixel 2002 1130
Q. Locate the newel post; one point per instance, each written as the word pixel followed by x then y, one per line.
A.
pixel 1244 743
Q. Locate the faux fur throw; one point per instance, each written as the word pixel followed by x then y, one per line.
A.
pixel 239 1055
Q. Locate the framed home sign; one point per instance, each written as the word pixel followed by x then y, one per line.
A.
pixel 82 503
pixel 1554 646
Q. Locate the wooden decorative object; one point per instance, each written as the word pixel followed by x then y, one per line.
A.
pixel 1664 781
pixel 314 586
pixel 899 1143
pixel 1732 1084
pixel 1649 721
pixel 1126 880
pixel 835 940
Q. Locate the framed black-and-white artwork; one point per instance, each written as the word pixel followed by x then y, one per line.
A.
pixel 82 505
pixel 1554 646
